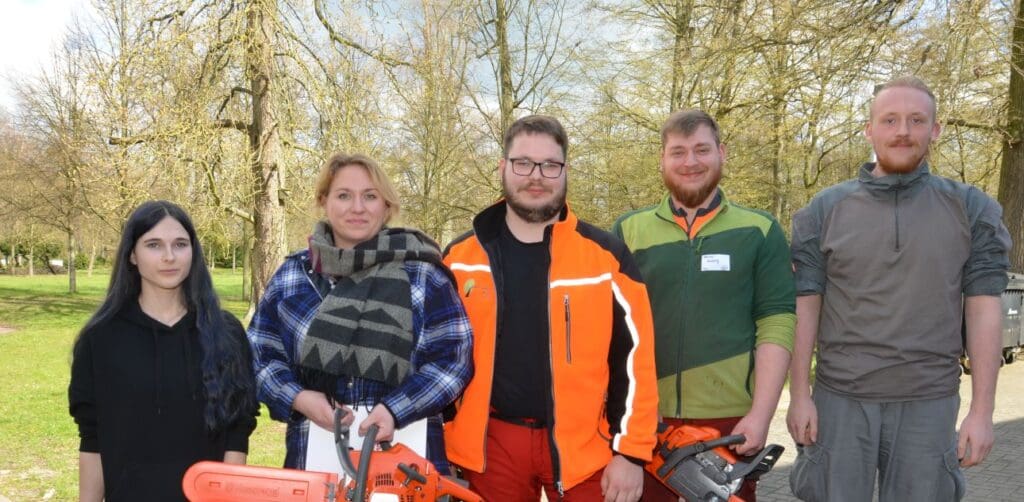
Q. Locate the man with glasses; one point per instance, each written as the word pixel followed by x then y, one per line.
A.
pixel 563 397
pixel 721 283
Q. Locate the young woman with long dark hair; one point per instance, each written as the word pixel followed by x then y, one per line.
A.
pixel 161 376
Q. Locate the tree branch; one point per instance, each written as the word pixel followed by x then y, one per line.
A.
pixel 379 56
pixel 234 90
pixel 129 141
pixel 232 124
pixel 972 125
pixel 165 17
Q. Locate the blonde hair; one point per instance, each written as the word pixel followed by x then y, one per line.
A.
pixel 907 81
pixel 379 179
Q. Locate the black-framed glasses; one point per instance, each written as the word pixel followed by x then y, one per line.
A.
pixel 525 167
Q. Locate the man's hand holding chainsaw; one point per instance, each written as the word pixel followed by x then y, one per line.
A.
pixel 622 481
pixel 771 362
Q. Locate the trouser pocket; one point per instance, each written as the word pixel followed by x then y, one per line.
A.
pixel 956 487
pixel 808 479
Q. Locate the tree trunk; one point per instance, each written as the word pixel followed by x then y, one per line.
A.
pixel 92 259
pixel 682 42
pixel 246 264
pixel 1011 172
pixel 264 147
pixel 72 254
pixel 506 95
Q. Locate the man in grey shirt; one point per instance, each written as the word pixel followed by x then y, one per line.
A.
pixel 886 265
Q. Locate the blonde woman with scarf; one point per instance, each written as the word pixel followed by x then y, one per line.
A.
pixel 366 316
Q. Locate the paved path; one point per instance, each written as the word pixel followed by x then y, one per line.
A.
pixel 999 478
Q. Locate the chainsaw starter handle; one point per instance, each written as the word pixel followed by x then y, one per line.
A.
pixel 412 474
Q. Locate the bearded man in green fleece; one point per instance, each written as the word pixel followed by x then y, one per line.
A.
pixel 721 287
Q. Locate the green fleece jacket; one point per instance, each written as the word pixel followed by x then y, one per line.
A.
pixel 715 298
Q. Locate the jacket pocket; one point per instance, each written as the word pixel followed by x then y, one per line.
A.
pixel 808 480
pixel 956 488
pixel 568 330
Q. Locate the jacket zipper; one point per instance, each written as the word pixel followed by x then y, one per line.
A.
pixel 568 331
pixel 694 246
pixel 556 468
pixel 896 215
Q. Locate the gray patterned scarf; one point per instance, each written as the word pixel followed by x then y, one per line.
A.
pixel 363 327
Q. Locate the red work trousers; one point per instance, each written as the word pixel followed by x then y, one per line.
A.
pixel 655 491
pixel 519 465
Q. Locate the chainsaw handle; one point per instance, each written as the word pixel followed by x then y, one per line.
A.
pixel 729 440
pixel 756 465
pixel 364 463
pixel 672 458
pixel 341 436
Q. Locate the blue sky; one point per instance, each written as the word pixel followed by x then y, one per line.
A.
pixel 28 30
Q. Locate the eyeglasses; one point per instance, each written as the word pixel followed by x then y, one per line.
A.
pixel 548 168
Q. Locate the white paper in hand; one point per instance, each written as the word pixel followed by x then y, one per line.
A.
pixel 321 455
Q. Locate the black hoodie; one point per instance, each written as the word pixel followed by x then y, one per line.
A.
pixel 136 393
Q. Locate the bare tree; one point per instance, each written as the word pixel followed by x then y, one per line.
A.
pixel 1011 174
pixel 53 116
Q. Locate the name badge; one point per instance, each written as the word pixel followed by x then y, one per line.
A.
pixel 714 263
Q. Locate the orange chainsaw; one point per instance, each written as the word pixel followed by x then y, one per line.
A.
pixel 695 463
pixel 394 474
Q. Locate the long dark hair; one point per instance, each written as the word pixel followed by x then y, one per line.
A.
pixel 226 369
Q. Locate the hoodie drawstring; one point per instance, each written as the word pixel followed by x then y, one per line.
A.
pixel 156 371
pixel 189 378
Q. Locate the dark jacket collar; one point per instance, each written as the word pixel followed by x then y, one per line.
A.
pixel 487 225
pixel 665 208
pixel 891 182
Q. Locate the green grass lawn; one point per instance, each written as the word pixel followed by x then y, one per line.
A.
pixel 38 439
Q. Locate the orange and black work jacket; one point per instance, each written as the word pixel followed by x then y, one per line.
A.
pixel 604 391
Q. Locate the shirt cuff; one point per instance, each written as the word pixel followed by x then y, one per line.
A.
pixel 89 445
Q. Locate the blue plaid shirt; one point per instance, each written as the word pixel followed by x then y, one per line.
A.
pixel 441 360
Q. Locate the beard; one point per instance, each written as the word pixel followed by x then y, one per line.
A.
pixel 693 197
pixel 537 214
pixel 891 165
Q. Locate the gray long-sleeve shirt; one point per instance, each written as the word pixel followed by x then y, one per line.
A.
pixel 893 258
